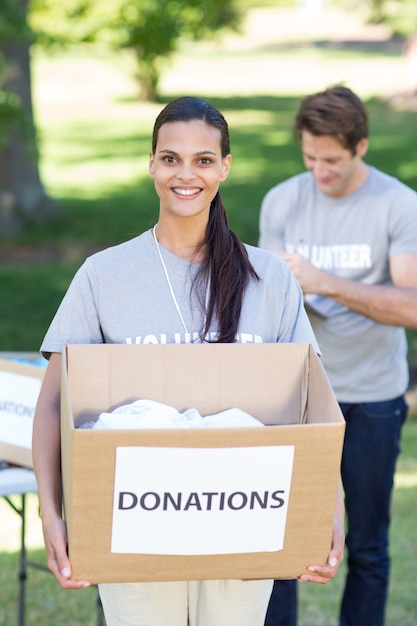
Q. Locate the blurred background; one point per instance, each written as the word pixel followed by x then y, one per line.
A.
pixel 81 82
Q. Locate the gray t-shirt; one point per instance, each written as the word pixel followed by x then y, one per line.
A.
pixel 121 295
pixel 354 237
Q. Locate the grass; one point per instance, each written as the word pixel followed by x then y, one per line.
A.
pixel 46 603
pixel 319 605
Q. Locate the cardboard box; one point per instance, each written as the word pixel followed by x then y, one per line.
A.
pixel 20 384
pixel 282 385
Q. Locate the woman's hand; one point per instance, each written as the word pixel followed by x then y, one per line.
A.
pixel 46 452
pixel 55 535
pixel 323 573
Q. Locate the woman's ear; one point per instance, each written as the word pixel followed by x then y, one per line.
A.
pixel 227 162
pixel 151 164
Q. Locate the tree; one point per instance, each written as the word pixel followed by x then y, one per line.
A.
pixel 150 30
pixel 376 11
pixel 22 196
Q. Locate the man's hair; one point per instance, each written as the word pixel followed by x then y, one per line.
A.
pixel 337 112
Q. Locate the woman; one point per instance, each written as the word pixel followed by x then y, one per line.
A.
pixel 188 279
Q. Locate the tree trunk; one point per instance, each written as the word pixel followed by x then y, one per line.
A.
pixel 147 76
pixel 22 196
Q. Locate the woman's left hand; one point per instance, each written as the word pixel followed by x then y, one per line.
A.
pixel 323 573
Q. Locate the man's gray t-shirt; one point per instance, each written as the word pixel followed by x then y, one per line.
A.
pixel 121 295
pixel 354 237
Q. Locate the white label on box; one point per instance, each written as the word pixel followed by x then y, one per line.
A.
pixel 18 398
pixel 195 501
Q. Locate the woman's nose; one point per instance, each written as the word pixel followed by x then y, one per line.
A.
pixel 186 172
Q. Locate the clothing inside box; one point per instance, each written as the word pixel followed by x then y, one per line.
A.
pixel 150 414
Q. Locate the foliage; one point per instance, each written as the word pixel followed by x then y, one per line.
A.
pixel 13 23
pixel 376 11
pixel 402 18
pixel 61 23
pixel 13 27
pixel 151 31
pixel 399 15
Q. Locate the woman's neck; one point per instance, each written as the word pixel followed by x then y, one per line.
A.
pixel 183 243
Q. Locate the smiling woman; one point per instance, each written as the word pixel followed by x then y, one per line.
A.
pixel 187 280
pixel 187 175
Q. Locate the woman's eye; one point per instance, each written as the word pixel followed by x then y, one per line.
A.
pixel 205 161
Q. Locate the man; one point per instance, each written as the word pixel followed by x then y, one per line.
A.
pixel 349 234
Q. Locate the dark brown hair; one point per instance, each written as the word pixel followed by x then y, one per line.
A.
pixel 337 112
pixel 226 264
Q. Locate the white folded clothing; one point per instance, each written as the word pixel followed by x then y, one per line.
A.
pixel 231 418
pixel 150 414
pixel 146 414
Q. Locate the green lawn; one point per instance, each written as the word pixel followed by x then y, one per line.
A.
pixel 319 605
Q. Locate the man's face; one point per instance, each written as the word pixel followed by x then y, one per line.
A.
pixel 336 170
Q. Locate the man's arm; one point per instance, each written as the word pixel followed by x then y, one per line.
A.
pixel 395 305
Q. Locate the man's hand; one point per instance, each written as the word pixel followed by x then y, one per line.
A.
pixel 310 279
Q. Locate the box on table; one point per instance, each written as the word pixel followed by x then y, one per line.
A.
pixel 282 385
pixel 20 384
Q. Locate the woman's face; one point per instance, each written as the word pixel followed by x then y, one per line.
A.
pixel 187 167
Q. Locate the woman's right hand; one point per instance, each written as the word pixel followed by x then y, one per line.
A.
pixel 46 452
pixel 55 535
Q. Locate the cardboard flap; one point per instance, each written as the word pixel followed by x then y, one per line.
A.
pixel 322 404
pixel 268 381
